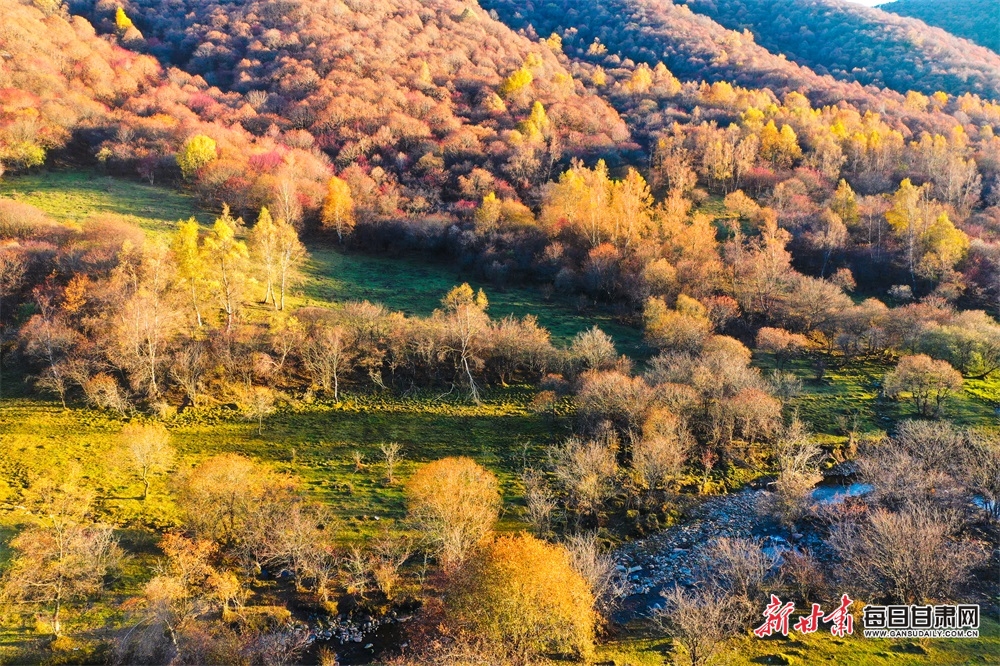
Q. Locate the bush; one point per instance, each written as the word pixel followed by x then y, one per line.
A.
pixel 519 597
pixel 700 620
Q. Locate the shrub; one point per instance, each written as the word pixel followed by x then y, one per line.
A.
pixel 519 597
pixel 910 557
pixel 700 620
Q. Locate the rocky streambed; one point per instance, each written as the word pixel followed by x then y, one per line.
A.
pixel 675 555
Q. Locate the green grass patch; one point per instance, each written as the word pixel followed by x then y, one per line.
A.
pixel 416 287
pixel 316 442
pixel 852 390
pixel 73 196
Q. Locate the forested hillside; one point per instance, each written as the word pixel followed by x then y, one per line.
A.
pixel 863 44
pixel 64 88
pixel 975 20
pixel 420 95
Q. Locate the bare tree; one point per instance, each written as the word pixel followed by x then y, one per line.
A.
pixel 386 554
pixel 391 453
pixel 910 556
pixel 258 404
pixel 593 349
pixel 586 468
pixel 741 568
pixel 701 620
pixel 327 355
pixel 59 561
pixel 149 450
pixel 929 382
pixel 982 465
pixel 798 460
pixel 599 568
pixel 539 500
pixel 663 450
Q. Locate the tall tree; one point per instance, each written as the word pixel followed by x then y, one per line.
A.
pixel 227 259
pixel 291 254
pixel 146 321
pixel 910 217
pixel 466 320
pixel 338 208
pixel 190 263
pixel 264 252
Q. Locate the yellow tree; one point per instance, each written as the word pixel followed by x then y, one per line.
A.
pixel 190 263
pixel 516 82
pixel 909 218
pixel 519 598
pixel 487 216
pixel 122 21
pixel 631 203
pixel 465 322
pixel 338 208
pixel 537 126
pixel 845 204
pixel 781 148
pixel 456 502
pixel 264 252
pixel 641 80
pixel 581 198
pixel 198 152
pixel 943 246
pixel 226 259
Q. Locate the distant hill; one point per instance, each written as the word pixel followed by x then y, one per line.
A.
pixel 975 20
pixel 868 45
pixel 693 46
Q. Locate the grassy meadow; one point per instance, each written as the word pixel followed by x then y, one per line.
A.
pixel 73 196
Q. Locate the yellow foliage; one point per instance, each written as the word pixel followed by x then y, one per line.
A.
pixel 519 80
pixel 454 500
pixel 519 598
pixel 945 246
pixel 338 207
pixel 781 148
pixel 487 216
pixel 122 21
pixel 198 152
pixel 641 80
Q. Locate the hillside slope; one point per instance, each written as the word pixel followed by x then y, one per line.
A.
pixel 56 77
pixel 420 93
pixel 864 44
pixel 975 20
pixel 65 88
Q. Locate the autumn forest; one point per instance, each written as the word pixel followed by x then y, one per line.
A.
pixel 453 332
